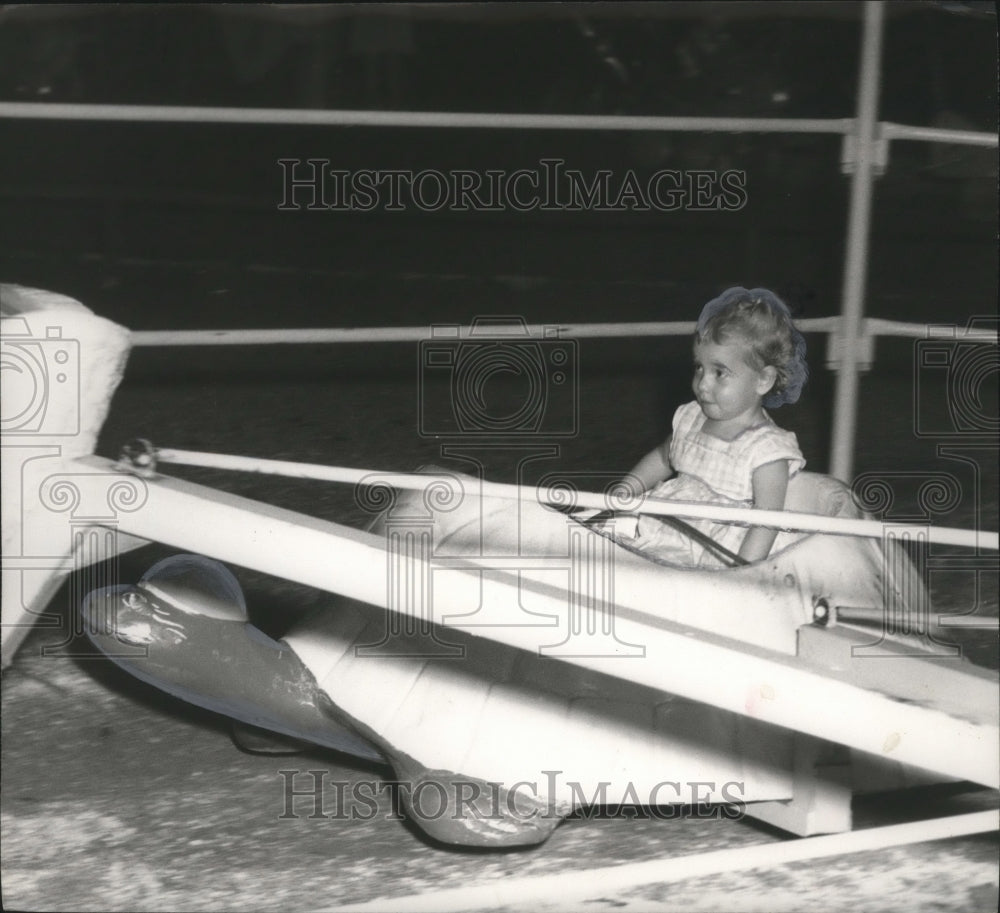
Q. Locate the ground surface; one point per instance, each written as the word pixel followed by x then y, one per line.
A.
pixel 116 799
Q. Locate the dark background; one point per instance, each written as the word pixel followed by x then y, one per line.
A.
pixel 148 223
pixel 173 226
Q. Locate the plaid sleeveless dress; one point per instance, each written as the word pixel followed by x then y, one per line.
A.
pixel 710 470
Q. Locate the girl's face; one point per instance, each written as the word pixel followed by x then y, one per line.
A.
pixel 728 389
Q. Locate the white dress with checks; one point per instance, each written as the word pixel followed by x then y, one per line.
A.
pixel 711 470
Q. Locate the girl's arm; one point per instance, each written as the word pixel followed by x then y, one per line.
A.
pixel 770 482
pixel 654 467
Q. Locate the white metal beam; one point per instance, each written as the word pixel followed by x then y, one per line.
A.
pixel 534 891
pixel 858 226
pixel 776 519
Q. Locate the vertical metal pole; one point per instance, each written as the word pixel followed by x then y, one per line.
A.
pixel 856 261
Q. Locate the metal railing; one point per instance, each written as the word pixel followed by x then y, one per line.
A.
pixel 865 155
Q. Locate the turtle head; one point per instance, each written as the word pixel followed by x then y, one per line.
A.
pixel 120 619
pixel 157 611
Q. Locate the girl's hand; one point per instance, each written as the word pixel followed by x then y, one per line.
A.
pixel 654 467
pixel 770 482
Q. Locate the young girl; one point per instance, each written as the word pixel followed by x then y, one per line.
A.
pixel 725 449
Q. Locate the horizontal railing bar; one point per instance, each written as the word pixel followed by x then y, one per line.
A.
pixel 876 326
pixel 326 335
pixel 892 131
pixel 461 119
pixel 778 519
pixel 475 119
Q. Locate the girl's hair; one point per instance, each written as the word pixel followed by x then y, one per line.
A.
pixel 762 321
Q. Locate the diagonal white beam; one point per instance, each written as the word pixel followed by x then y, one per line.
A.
pixel 530 891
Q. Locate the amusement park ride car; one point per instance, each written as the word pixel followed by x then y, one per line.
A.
pixel 516 660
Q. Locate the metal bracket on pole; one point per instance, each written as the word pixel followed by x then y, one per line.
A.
pixel 878 152
pixel 862 345
pixel 138 457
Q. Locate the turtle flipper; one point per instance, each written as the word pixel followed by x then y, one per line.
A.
pixel 463 810
pixel 254 740
pixel 460 809
pixel 215 659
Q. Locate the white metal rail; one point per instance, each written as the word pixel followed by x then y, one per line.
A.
pixel 471 120
pixel 467 120
pixel 872 326
pixel 537 891
pixel 865 154
pixel 778 519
